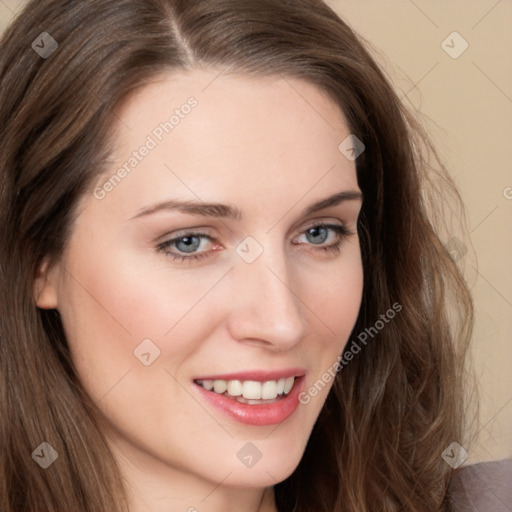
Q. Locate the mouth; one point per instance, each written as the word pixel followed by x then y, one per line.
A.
pixel 250 392
pixel 253 398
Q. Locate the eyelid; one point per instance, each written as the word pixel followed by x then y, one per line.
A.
pixel 183 234
pixel 327 222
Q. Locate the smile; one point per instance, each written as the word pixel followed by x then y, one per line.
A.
pixel 250 391
pixel 255 398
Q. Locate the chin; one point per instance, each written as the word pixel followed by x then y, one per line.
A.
pixel 268 471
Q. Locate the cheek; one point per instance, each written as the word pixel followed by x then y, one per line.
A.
pixel 334 296
pixel 333 300
pixel 343 299
pixel 109 307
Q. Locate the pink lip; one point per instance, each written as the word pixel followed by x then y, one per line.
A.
pixel 256 415
pixel 258 375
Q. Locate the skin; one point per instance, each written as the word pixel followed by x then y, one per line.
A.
pixel 268 146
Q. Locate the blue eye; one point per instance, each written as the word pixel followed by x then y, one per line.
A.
pixel 188 243
pixel 317 235
pixel 185 247
pixel 325 233
pixel 194 246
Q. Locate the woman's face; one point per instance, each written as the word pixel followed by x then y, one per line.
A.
pixel 222 253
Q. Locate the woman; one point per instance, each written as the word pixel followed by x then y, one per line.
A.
pixel 221 284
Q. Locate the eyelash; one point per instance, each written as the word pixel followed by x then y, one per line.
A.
pixel 341 231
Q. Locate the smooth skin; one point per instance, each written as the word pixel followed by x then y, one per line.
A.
pixel 269 147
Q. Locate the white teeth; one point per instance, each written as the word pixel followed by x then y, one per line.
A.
pixel 220 386
pixel 288 385
pixel 234 387
pixel 250 389
pixel 269 390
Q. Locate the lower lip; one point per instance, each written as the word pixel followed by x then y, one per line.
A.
pixel 259 414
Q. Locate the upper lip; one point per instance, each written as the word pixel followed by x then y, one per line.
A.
pixel 257 375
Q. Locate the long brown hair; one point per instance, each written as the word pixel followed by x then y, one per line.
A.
pixel 392 411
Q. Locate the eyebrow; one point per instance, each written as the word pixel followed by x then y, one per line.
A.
pixel 232 212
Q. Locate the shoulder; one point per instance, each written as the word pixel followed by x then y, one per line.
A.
pixel 484 487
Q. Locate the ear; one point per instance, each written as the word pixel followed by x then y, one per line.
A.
pixel 45 286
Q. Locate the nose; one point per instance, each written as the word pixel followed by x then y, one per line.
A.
pixel 266 310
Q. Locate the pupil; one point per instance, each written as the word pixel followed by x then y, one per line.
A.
pixel 188 244
pixel 317 235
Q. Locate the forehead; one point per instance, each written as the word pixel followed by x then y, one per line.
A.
pixel 215 136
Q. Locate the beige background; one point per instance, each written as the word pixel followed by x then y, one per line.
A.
pixel 467 105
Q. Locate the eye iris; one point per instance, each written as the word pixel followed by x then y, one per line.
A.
pixel 317 235
pixel 188 243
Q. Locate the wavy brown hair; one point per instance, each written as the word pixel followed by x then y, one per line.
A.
pixel 378 441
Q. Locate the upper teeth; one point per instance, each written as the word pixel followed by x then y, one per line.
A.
pixel 250 389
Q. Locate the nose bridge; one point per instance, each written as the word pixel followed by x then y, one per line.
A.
pixel 265 307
